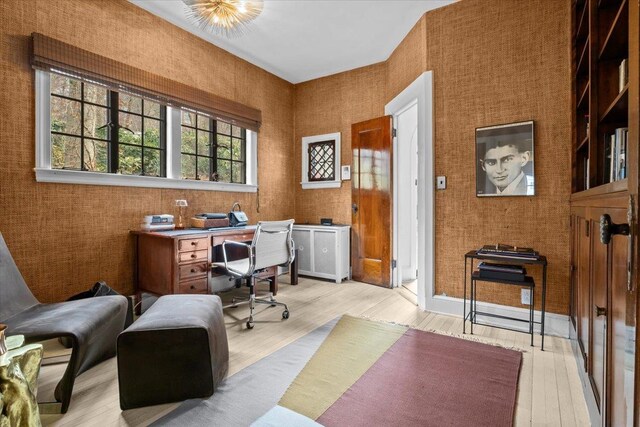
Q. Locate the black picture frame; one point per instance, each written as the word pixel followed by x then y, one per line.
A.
pixel 505 160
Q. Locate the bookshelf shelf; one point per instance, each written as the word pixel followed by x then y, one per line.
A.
pixel 602 95
pixel 618 110
pixel 616 43
pixel 600 190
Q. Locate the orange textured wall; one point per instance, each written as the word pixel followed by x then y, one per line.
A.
pixel 65 237
pixel 494 62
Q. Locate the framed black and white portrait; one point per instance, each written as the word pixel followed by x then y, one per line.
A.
pixel 504 160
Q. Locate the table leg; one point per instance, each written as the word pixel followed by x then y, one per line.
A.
pixel 531 309
pixel 544 299
pixel 472 301
pixel 293 269
pixel 464 298
pixel 273 283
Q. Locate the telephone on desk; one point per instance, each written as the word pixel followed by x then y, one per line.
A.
pixel 237 218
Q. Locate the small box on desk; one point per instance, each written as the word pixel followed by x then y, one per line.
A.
pixel 209 222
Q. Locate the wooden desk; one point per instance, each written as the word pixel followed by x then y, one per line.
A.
pixel 179 261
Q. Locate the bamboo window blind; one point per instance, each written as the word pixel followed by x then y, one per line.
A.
pixel 53 55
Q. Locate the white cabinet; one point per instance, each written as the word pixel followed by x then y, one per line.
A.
pixel 323 251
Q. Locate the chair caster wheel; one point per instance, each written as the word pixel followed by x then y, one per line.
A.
pixel 285 314
pixel 250 324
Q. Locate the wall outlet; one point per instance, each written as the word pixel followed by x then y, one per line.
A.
pixel 525 296
pixel 441 182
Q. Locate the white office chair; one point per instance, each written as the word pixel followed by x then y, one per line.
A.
pixel 272 245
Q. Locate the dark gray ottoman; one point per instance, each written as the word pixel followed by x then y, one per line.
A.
pixel 176 350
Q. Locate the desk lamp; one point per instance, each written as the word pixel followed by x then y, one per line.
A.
pixel 181 204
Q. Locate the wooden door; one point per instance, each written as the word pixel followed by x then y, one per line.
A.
pixel 372 201
pixel 621 318
pixel 583 288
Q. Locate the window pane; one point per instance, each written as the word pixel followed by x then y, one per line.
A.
pixel 96 94
pixel 204 143
pixel 188 166
pixel 236 149
pixel 224 171
pixel 238 172
pixel 204 122
pixel 130 130
pixel 65 152
pixel 204 168
pixel 188 118
pixel 223 127
pixel 151 109
pixel 130 160
pixel 65 86
pixel 224 147
pixel 65 115
pixel 96 155
pixel 95 122
pixel 130 103
pixel 237 132
pixel 152 162
pixel 188 144
pixel 152 133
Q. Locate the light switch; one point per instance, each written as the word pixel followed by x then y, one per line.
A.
pixel 441 182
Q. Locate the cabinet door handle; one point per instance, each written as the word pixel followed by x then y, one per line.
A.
pixel 608 229
pixel 600 311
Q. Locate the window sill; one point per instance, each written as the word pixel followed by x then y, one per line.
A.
pixel 323 184
pixel 94 178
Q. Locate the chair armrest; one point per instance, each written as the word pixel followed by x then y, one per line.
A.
pixel 249 255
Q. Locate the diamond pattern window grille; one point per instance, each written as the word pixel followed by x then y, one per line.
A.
pixel 322 159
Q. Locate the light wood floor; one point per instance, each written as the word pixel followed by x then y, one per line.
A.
pixel 550 392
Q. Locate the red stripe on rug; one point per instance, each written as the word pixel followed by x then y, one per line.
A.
pixel 428 379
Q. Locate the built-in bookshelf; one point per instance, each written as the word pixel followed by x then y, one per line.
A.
pixel 601 94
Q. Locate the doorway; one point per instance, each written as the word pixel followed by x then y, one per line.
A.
pixel 415 257
pixel 406 125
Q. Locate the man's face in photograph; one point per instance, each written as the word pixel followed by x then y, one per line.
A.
pixel 503 164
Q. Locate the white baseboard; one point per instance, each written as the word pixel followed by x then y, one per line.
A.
pixel 555 324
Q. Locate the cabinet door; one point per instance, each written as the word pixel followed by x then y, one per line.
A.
pixel 622 330
pixel 583 289
pixel 599 279
pixel 324 252
pixel 302 241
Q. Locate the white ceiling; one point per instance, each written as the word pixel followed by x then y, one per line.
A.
pixel 300 40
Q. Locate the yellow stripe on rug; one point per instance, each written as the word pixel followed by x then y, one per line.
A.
pixel 358 343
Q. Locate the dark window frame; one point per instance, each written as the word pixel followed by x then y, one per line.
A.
pixel 113 141
pixel 214 132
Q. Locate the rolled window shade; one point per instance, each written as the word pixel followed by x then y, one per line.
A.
pixel 53 55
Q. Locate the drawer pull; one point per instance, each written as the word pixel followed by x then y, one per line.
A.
pixel 193 255
pixel 192 287
pixel 193 270
pixel 194 243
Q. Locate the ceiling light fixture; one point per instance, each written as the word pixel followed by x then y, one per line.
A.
pixel 224 17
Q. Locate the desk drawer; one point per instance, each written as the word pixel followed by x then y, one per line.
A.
pixel 244 238
pixel 190 271
pixel 193 244
pixel 193 256
pixel 194 287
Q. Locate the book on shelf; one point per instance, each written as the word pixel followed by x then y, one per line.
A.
pixel 616 154
pixel 623 74
pixel 586 172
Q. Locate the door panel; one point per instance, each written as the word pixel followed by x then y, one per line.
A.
pixel 599 280
pixel 324 249
pixel 371 199
pixel 302 240
pixel 583 288
pixel 622 330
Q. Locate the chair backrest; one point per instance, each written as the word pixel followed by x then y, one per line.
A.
pixel 272 243
pixel 15 295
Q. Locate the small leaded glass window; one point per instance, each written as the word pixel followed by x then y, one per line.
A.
pixel 322 158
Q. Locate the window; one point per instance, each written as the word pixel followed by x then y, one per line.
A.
pixel 212 150
pixel 83 127
pixel 321 161
pixel 84 120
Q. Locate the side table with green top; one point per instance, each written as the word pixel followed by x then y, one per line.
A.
pixel 19 369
